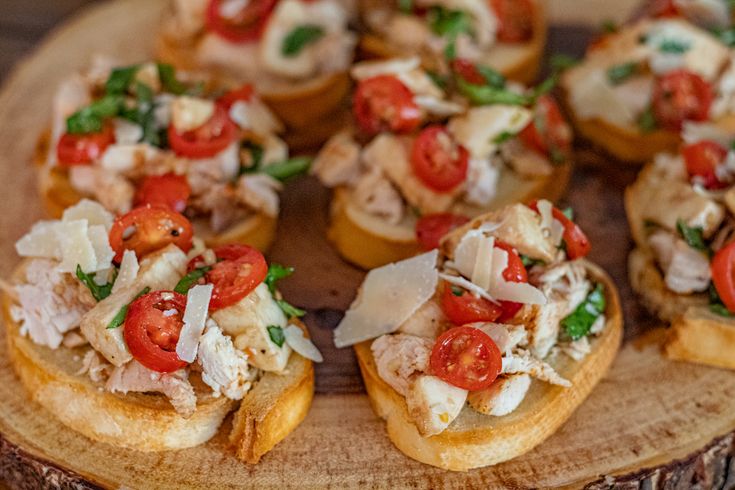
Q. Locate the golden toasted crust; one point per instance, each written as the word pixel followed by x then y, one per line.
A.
pixel 520 63
pixel 474 440
pixel 636 201
pixel 702 337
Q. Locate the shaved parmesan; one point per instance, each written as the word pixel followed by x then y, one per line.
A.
pixel 76 247
pixel 370 69
pixel 479 128
pixel 100 243
pixel 295 338
pixel 128 271
pixel 92 211
pixel 468 285
pixel 552 227
pixel 195 316
pixel 40 241
pixel 482 271
pixel 388 296
pixel 189 113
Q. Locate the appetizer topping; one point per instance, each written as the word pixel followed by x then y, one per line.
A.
pixel 384 103
pixel 239 21
pixel 169 190
pixel 723 275
pixel 462 307
pixel 703 160
pixel 225 368
pixel 300 37
pixel 515 18
pixel 466 357
pixel 576 244
pixel 579 323
pixel 548 131
pixel 190 113
pixel 82 149
pixel 128 271
pixel 241 94
pixel 149 228
pixel 206 140
pixel 681 95
pixel 195 316
pixel 431 228
pixel 295 338
pixel 438 160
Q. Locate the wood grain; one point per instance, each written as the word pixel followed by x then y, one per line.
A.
pixel 650 423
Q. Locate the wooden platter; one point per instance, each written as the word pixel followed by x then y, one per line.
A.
pixel 650 422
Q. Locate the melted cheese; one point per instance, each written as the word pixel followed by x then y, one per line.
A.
pixel 195 316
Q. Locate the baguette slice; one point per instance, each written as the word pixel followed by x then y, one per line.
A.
pixel 369 242
pixel 474 440
pixel 148 422
pixel 518 62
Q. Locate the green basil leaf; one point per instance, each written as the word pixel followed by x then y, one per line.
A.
pixel 561 62
pixel 450 50
pixel 438 79
pixel 529 262
pixel 119 318
pixel 716 305
pixel 457 291
pixel 674 46
pixel 191 279
pixel 90 119
pixel 276 334
pixel 692 236
pixel 276 272
pixel 503 137
pixel 544 87
pixel 449 23
pixel 726 36
pixel 299 38
pixel 619 73
pixel 169 82
pixel 405 6
pixel 256 157
pixel 647 121
pixel 609 26
pixel 580 321
pixel 290 310
pixel 287 169
pixel 120 79
pixel 99 292
pixel 483 95
pixel 493 78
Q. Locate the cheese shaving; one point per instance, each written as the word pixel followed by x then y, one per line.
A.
pixel 128 271
pixel 468 285
pixel 298 342
pixel 195 316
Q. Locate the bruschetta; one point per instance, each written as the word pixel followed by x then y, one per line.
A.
pixel 133 332
pixel 132 135
pixel 423 159
pixel 508 35
pixel 477 352
pixel 637 85
pixel 295 52
pixel 681 212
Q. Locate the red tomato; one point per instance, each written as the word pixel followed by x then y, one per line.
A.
pixel 239 270
pixel 702 159
pixel 723 275
pixel 467 308
pixel 516 20
pixel 81 149
pixel 663 8
pixel 438 160
pixel 168 189
pixel 577 243
pixel 246 26
pixel 207 140
pixel 151 331
pixel 384 103
pixel 679 96
pixel 432 227
pixel 468 71
pixel 149 228
pixel 466 358
pixel 244 93
pixel 515 271
pixel 548 132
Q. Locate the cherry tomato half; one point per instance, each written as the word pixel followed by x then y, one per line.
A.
pixel 681 96
pixel 431 228
pixel 723 275
pixel 663 8
pixel 462 307
pixel 81 149
pixel 384 103
pixel 577 243
pixel 247 25
pixel 466 358
pixel 168 189
pixel 239 270
pixel 207 140
pixel 149 228
pixel 548 131
pixel 702 159
pixel 516 20
pixel 152 328
pixel 438 160
pixel 468 71
pixel 244 94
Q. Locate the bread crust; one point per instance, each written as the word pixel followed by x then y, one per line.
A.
pixel 474 440
pixel 524 68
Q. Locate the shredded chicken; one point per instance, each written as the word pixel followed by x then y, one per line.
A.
pixel 376 195
pixel 523 362
pixel 224 368
pixel 260 193
pixel 112 190
pixel 399 357
pixel 686 270
pixel 428 321
pixel 338 162
pixel 502 397
pixel 95 366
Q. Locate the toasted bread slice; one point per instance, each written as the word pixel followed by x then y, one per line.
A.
pixel 369 242
pixel 147 422
pixel 474 440
pixel 702 337
pixel 518 62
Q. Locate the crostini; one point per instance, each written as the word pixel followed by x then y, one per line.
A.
pixel 681 211
pixel 477 352
pixel 637 85
pixel 424 159
pixel 295 52
pixel 508 35
pixel 133 135
pixel 132 332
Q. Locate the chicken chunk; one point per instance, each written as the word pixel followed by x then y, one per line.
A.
pixel 376 195
pixel 524 363
pixel 428 322
pixel 338 162
pixel 260 192
pixel 502 397
pixel 686 270
pixel 433 404
pixel 224 368
pixel 113 191
pixel 400 357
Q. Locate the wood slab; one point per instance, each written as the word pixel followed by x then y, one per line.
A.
pixel 650 423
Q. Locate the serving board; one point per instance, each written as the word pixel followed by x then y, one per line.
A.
pixel 650 422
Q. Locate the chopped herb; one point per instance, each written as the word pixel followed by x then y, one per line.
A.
pixel 276 272
pixel 529 262
pixel 503 137
pixel 449 23
pixel 673 46
pixel 256 157
pixel 405 6
pixel 144 93
pixel 732 145
pixel 647 121
pixel 191 279
pixel 119 318
pixel 561 62
pixel 90 119
pixel 457 291
pixel 579 322
pixel 716 305
pixel 276 334
pixel 438 79
pixel 568 212
pixel 120 79
pixel 609 26
pixel 557 156
pixel 483 94
pixel 167 75
pixel 299 38
pixel 99 292
pixel 726 36
pixel 287 169
pixel 290 310
pixel 544 87
pixel 692 235
pixel 493 78
pixel 619 73
pixel 450 51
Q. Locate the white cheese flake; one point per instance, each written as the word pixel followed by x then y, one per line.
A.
pixel 128 271
pixel 195 317
pixel 298 342
pixel 94 212
pixel 76 247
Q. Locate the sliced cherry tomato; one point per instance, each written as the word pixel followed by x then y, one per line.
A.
pixel 207 140
pixel 438 160
pixel 81 149
pixel 515 271
pixel 548 132
pixel 247 25
pixel 384 103
pixel 239 270
pixel 702 160
pixel 244 94
pixel 723 275
pixel 516 20
pixel 168 189
pixel 577 243
pixel 681 96
pixel 462 307
pixel 468 71
pixel 431 228
pixel 152 328
pixel 663 8
pixel 466 358
pixel 149 228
